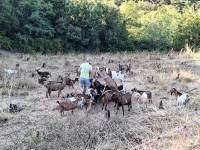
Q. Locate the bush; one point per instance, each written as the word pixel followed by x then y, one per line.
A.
pixel 46 46
pixel 5 42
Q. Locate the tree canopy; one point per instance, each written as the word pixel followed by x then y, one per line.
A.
pixel 52 26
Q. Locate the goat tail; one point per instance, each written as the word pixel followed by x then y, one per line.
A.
pixel 192 90
pixel 191 97
pixel 58 102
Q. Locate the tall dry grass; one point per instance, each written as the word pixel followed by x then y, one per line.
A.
pixel 40 126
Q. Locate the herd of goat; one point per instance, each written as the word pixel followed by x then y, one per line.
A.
pixel 101 93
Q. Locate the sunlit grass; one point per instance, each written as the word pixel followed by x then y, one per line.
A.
pixel 93 130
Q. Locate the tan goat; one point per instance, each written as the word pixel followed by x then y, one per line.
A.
pixel 68 105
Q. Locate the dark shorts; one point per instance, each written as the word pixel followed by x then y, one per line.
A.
pixel 84 82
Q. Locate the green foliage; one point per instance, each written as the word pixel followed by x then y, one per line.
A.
pixel 162 27
pixel 5 42
pixel 47 45
pixel 188 31
pixel 52 26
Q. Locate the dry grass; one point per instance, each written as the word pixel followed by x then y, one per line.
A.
pixel 40 126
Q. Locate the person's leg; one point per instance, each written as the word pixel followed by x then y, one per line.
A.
pixel 85 89
pixel 81 83
pixel 87 84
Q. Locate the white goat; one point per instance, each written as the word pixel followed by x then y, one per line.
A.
pixel 80 103
pixel 149 94
pixel 181 98
pixel 119 75
pixel 11 71
pixel 142 99
pixel 92 93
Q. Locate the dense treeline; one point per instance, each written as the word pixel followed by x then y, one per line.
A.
pixel 51 26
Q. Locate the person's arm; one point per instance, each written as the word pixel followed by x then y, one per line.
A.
pixel 79 69
pixel 92 72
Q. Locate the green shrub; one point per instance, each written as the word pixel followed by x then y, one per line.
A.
pixel 46 46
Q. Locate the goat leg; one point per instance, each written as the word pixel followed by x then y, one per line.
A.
pixel 117 112
pixel 123 109
pixel 129 107
pixel 106 106
pixel 102 106
pixel 59 92
pixel 86 106
pixel 62 112
pixel 47 92
pixel 117 109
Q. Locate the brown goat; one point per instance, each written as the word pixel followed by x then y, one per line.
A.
pixel 106 97
pixel 121 100
pixel 149 94
pixel 99 71
pixel 88 103
pixel 110 73
pixel 54 86
pixel 61 78
pixel 67 106
pixel 86 100
pixel 72 82
pixel 68 81
pixel 82 95
pixel 111 83
pixel 176 93
pixel 126 68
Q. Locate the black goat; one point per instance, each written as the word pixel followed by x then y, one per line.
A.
pixel 44 74
pixel 93 94
pixel 126 68
pixel 42 80
pixel 99 87
pixel 121 87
